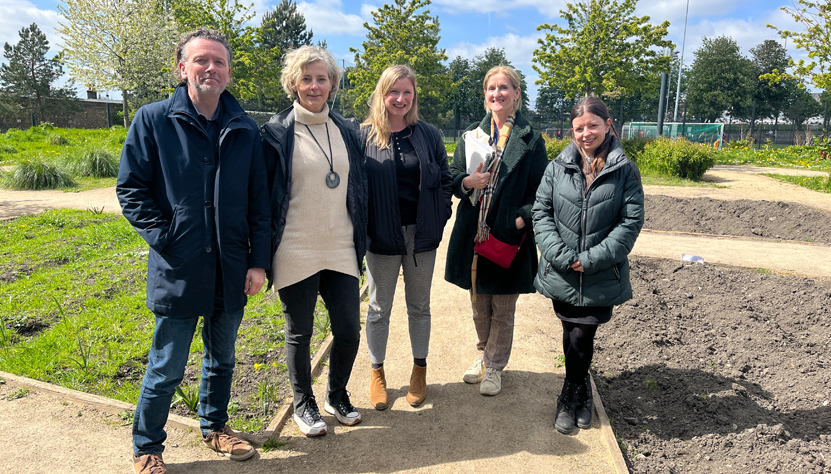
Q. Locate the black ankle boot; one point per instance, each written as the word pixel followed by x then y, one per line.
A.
pixel 566 406
pixel 585 404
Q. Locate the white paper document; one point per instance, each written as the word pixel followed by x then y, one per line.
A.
pixel 475 151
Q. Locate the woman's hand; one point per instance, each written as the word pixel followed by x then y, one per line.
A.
pixel 477 179
pixel 520 223
pixel 577 266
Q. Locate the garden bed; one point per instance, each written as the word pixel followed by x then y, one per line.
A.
pixel 721 369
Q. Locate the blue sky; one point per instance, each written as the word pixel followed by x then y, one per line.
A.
pixel 468 27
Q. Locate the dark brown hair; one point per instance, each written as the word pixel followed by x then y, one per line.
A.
pixel 204 33
pixel 595 106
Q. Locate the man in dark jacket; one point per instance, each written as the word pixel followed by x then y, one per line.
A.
pixel 192 182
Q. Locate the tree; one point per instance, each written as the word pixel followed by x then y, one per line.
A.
pixel 118 45
pixel 604 50
pixel 815 40
pixel 285 28
pixel 800 105
pixel 721 80
pixel 404 33
pixel 28 77
pixel 768 57
pixel 552 105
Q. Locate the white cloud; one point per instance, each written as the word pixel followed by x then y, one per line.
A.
pixel 518 49
pixel 14 15
pixel 327 17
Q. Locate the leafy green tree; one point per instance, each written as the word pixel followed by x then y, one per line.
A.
pixel 815 17
pixel 118 45
pixel 253 68
pixel 403 33
pixel 721 80
pixel 28 77
pixel 604 50
pixel 771 96
pixel 552 106
pixel 800 105
pixel 284 28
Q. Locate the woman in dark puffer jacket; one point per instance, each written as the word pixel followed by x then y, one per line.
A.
pixel 587 216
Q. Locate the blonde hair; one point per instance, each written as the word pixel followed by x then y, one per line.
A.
pixel 378 120
pixel 512 76
pixel 295 63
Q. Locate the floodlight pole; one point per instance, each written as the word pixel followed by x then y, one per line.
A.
pixel 681 64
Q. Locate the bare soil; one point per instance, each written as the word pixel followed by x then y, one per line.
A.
pixel 717 368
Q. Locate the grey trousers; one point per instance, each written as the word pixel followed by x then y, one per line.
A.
pixel 493 316
pixel 383 273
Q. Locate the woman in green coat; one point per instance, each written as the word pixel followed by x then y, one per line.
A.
pixel 496 200
pixel 588 213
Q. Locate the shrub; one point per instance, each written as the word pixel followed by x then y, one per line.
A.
pixel 676 158
pixel 634 147
pixel 98 163
pixel 36 174
pixel 55 139
pixel 553 146
pixel 7 148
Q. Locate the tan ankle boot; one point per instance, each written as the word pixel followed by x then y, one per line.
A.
pixel 418 386
pixel 377 389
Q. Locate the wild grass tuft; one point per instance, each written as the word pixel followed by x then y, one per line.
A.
pixel 97 162
pixel 36 174
pixel 57 140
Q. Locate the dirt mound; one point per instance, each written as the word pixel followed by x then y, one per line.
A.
pixel 719 369
pixel 769 219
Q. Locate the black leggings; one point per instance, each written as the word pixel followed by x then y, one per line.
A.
pixel 578 347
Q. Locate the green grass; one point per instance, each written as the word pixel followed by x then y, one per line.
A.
pixel 799 157
pixel 21 145
pixel 72 303
pixel 86 159
pixel 814 183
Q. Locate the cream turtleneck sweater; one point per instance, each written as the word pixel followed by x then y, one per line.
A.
pixel 318 232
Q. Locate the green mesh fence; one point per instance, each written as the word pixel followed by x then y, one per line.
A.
pixel 708 133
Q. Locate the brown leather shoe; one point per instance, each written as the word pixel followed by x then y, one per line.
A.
pixel 378 389
pixel 227 443
pixel 418 386
pixel 149 464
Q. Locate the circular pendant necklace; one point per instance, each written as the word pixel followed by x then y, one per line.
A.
pixel 332 178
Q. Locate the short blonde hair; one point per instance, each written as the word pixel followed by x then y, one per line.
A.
pixel 294 65
pixel 378 120
pixel 512 76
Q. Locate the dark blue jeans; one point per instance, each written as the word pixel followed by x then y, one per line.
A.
pixel 166 367
pixel 340 294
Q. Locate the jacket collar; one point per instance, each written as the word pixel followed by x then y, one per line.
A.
pixel 517 144
pixel 180 103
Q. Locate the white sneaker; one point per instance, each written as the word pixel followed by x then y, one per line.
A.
pixel 475 372
pixel 345 413
pixel 310 422
pixel 491 382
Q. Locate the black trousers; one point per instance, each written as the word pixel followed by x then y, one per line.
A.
pixel 340 294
